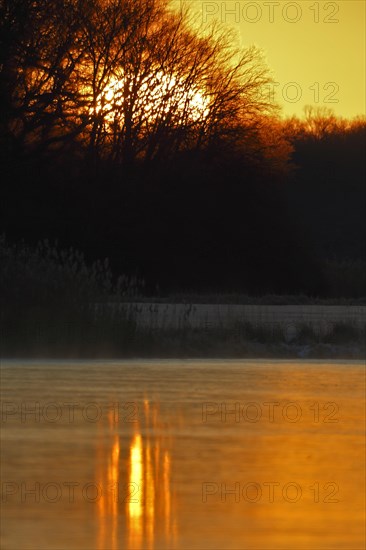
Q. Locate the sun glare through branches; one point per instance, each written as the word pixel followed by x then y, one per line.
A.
pixel 158 95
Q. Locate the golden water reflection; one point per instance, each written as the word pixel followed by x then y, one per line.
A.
pixel 108 480
pixel 181 479
pixel 136 505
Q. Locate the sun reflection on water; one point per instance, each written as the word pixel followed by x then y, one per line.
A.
pixel 136 480
pixel 136 506
pixel 108 481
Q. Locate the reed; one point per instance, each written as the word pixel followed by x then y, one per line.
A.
pixel 48 310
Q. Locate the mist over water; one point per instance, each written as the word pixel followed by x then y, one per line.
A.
pixel 183 454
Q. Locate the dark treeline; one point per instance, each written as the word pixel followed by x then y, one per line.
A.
pixel 129 136
pixel 326 195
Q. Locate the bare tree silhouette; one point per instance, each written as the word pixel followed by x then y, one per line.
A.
pixel 128 79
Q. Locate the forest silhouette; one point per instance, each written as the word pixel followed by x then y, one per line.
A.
pixel 128 135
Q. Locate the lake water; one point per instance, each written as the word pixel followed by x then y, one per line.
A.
pixel 183 454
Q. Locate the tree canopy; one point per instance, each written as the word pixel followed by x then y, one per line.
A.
pixel 130 131
pixel 125 79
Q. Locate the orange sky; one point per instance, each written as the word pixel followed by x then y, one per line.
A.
pixel 315 49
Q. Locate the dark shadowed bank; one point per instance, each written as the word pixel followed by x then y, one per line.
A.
pixel 48 310
pixel 105 149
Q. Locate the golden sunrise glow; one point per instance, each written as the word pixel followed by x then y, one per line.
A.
pixel 139 489
pixel 136 482
pixel 152 514
pixel 108 501
pixel 315 50
pixel 158 95
pixel 167 503
pixel 150 498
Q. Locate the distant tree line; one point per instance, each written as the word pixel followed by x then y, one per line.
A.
pixel 327 195
pixel 127 134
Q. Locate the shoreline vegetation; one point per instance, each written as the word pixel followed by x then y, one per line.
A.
pixel 46 312
pixel 121 341
pixel 145 134
pixel 140 133
pixel 40 336
pixel 242 299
